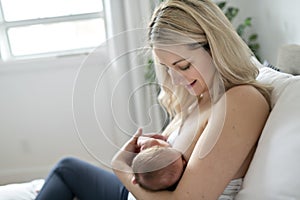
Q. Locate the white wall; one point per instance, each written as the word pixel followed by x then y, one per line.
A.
pixel 36 117
pixel 276 22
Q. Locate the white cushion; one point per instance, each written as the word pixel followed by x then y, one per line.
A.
pixel 277 80
pixel 21 191
pixel 274 172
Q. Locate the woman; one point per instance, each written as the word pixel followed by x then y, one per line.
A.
pixel 217 107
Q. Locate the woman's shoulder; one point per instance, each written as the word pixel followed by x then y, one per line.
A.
pixel 242 102
pixel 246 95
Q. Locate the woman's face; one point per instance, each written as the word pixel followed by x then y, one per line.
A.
pixel 191 68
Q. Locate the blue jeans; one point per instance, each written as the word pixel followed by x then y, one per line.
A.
pixel 75 178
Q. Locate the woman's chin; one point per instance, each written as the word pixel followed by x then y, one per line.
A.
pixel 193 92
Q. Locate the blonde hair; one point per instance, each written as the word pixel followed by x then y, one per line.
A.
pixel 202 22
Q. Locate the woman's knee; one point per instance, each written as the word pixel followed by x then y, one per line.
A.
pixel 68 162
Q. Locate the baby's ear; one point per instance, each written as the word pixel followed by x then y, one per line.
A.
pixel 133 180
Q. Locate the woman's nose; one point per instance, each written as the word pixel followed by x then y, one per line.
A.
pixel 176 77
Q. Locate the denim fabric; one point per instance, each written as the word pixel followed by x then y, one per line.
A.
pixel 75 178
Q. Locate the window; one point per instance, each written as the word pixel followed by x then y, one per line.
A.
pixel 50 27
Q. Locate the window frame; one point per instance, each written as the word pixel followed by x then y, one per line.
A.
pixel 5 48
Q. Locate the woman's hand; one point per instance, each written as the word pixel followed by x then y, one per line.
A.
pixel 124 156
pixel 123 159
pixel 132 144
pixel 121 163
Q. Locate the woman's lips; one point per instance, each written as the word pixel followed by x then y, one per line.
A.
pixel 191 84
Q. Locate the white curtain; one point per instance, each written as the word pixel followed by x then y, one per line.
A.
pixel 110 97
pixel 133 104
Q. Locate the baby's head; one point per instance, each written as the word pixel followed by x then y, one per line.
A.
pixel 158 168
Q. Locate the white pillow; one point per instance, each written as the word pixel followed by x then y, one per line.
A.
pixel 274 173
pixel 21 191
pixel 277 79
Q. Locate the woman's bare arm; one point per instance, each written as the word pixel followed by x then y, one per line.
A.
pixel 207 175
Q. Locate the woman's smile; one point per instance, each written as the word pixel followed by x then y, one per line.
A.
pixel 191 85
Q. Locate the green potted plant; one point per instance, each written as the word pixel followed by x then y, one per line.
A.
pixel 251 40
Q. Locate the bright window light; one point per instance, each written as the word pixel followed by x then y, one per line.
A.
pixel 34 28
pixel 15 10
pixel 56 37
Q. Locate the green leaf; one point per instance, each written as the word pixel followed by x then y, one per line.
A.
pixel 254 47
pixel 149 74
pixel 253 37
pixel 231 13
pixel 241 29
pixel 247 21
pixel 221 5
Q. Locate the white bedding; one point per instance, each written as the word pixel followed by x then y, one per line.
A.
pixel 21 191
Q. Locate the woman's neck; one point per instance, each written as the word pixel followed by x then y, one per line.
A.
pixel 204 101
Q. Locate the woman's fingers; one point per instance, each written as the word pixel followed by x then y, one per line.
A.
pixel 136 136
pixel 159 136
pixel 138 133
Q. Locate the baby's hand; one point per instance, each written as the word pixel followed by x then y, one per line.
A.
pixel 155 136
pixel 145 141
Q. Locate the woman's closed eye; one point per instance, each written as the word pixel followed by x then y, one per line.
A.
pixel 186 67
pixel 181 68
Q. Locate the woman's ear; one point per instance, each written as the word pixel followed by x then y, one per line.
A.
pixel 133 180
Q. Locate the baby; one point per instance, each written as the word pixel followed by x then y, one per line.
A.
pixel 158 167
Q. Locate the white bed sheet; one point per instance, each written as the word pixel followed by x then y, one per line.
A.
pixel 21 191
